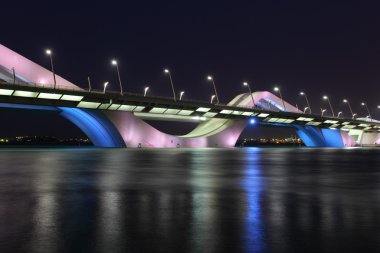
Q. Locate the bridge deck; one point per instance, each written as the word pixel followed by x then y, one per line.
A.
pixel 166 108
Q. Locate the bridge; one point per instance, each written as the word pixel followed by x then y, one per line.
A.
pixel 112 119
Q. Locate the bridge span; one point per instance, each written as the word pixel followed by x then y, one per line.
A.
pixel 113 120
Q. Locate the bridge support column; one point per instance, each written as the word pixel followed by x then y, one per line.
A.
pixel 315 137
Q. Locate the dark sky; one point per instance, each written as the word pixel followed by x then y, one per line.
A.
pixel 320 47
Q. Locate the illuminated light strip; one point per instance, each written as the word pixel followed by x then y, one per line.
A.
pixel 263 115
pixel 247 113
pixel 104 106
pixel 331 121
pixel 334 126
pixel 158 110
pixel 90 105
pixel 185 112
pixel 364 125
pixel 172 111
pixel 114 107
pixel 127 108
pixel 315 123
pixel 203 109
pixel 139 108
pixel 49 96
pixel 166 117
pixel 71 98
pixel 199 118
pixel 226 111
pixel 237 112
pixel 304 119
pixel 6 92
pixel 28 94
pixel 209 114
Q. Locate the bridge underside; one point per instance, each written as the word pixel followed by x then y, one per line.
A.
pixel 123 129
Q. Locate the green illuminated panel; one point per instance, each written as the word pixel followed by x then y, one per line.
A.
pixel 315 123
pixel 139 108
pixel 104 106
pixel 331 121
pixel 305 119
pixel 172 111
pixel 127 108
pixel 49 96
pixel 6 92
pixel 185 112
pixel 263 115
pixel 28 94
pixel 90 105
pixel 226 112
pixel 237 112
pixel 158 110
pixel 203 109
pixel 209 114
pixel 71 98
pixel 114 107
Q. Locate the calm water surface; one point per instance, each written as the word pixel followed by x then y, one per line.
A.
pixel 190 200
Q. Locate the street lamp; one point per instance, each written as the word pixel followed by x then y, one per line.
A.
pixel 339 113
pixel 171 82
pixel 146 90
pixel 180 95
pixel 115 63
pixel 369 114
pixel 304 110
pixel 212 98
pixel 105 87
pixel 328 100
pixel 349 106
pixel 307 100
pixel 322 112
pixel 279 91
pixel 250 92
pixel 50 53
pixel 210 78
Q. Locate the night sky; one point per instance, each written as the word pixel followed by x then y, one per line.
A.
pixel 320 47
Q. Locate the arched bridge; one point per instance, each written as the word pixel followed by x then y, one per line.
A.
pixel 114 120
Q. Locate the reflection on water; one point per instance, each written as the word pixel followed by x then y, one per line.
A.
pixel 183 200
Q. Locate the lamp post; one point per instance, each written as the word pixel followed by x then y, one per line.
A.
pixel 354 115
pixel 89 84
pixel 180 95
pixel 210 78
pixel 369 114
pixel 331 108
pixel 212 98
pixel 279 91
pixel 322 112
pixel 105 87
pixel 304 110
pixel 250 92
pixel 115 63
pixel 146 90
pixel 50 53
pixel 167 71
pixel 307 100
pixel 339 113
pixel 349 106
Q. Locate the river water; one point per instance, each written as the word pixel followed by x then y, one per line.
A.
pixel 190 200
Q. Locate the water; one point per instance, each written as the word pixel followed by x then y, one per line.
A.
pixel 183 200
